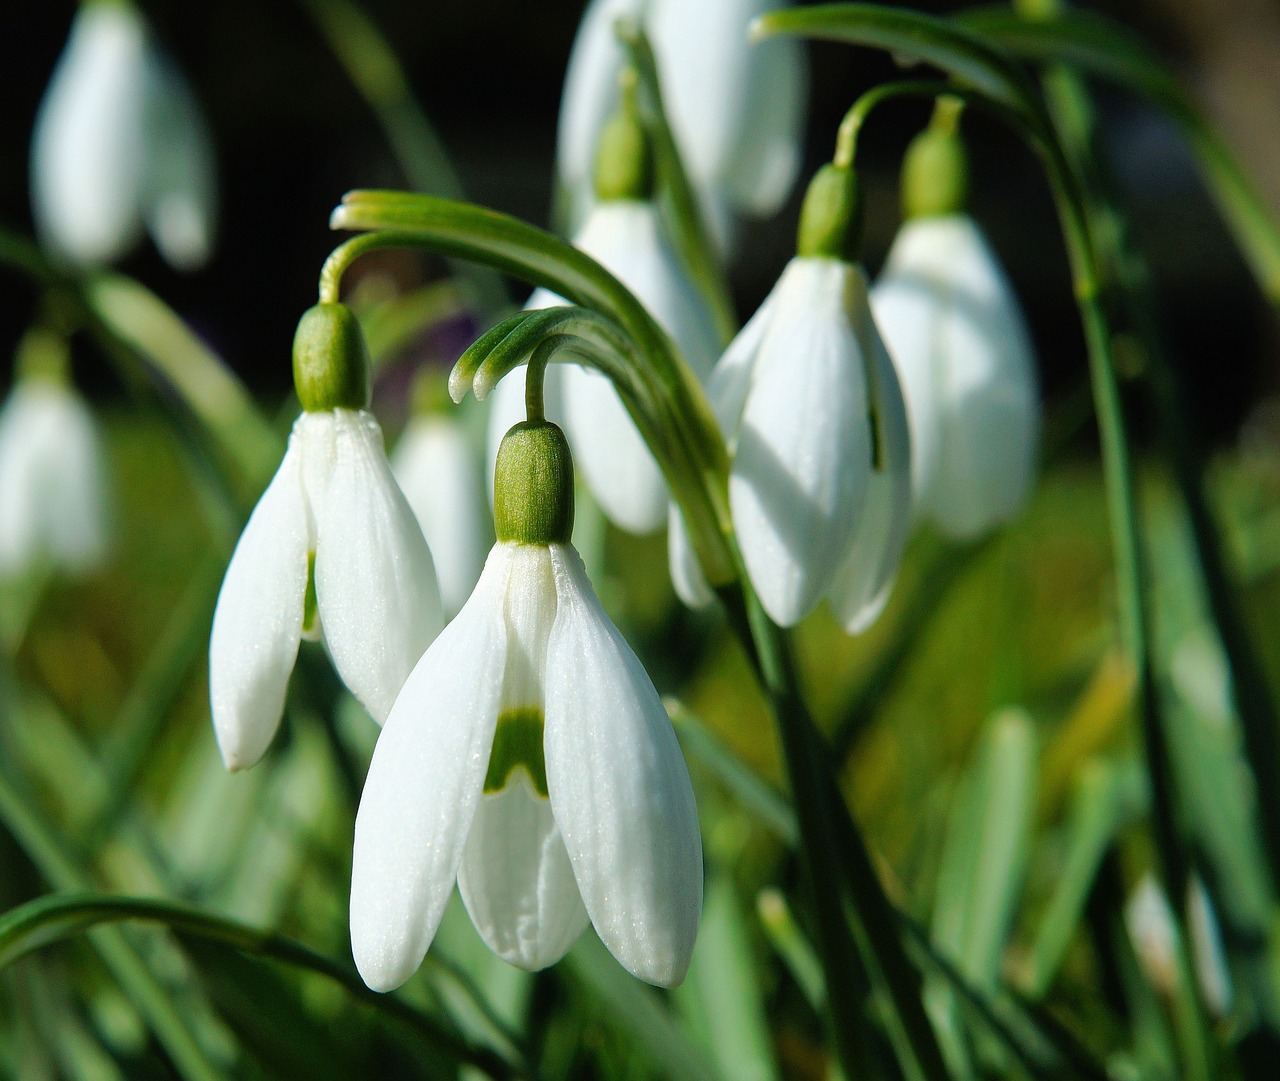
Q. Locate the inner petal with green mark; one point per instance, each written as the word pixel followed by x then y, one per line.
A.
pixel 310 610
pixel 517 745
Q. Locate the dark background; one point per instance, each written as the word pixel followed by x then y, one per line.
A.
pixel 292 135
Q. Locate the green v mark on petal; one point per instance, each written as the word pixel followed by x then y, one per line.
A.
pixel 517 744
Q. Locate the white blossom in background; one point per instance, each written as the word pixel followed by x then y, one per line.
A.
pixel 626 237
pixel 52 480
pixel 439 470
pixel 119 143
pixel 820 495
pixel 737 108
pixel 332 521
pixel 530 759
pixel 958 339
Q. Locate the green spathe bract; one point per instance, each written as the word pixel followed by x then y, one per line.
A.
pixel 533 486
pixel 330 360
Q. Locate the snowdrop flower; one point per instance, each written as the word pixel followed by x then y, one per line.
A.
pixel 737 109
pixel 332 549
pixel 439 470
pixel 119 141
pixel 961 347
pixel 52 470
pixel 529 758
pixel 812 412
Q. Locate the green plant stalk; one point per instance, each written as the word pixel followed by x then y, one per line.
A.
pixel 1073 115
pixel 994 83
pixel 688 225
pixel 56 917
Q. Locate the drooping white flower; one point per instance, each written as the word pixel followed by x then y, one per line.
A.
pixel 626 237
pixel 331 551
pixel 961 347
pixel 439 470
pixel 813 416
pixel 119 142
pixel 530 759
pixel 52 480
pixel 737 109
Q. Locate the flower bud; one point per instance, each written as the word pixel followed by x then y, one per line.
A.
pixel 935 170
pixel 533 486
pixel 43 355
pixel 831 218
pixel 330 360
pixel 624 155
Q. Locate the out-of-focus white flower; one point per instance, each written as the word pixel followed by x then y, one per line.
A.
pixel 626 237
pixel 52 480
pixel 813 416
pixel 331 551
pixel 529 758
pixel 119 141
pixel 439 470
pixel 961 347
pixel 737 109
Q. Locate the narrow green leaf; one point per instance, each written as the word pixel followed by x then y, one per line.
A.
pixel 722 995
pixel 1104 48
pixel 56 917
pixel 638 1010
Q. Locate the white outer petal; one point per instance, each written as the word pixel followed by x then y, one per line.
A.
pixel 686 572
pixel 180 186
pixel 439 470
pixel 52 480
pixel 626 237
pixel 619 788
pixel 516 880
pixel 423 787
pixel 865 577
pixel 803 454
pixel 376 589
pixel 257 623
pixel 88 152
pixel 968 370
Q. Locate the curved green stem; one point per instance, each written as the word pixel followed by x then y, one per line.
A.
pixel 851 126
pixel 51 919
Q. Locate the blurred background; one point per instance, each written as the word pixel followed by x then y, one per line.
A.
pixel 103 694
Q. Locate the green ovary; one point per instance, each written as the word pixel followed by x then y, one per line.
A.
pixel 517 744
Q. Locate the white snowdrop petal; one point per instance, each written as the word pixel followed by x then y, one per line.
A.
pixel 180 190
pixel 423 787
pixel 803 452
pixel 958 338
pixel 75 488
pixel 686 572
pixel 619 788
pixel 861 586
pixel 376 588
pixel 439 470
pixel 730 380
pixel 611 454
pixel 88 149
pixel 516 880
pixel 257 623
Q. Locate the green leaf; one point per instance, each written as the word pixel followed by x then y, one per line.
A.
pixel 56 917
pixel 1105 49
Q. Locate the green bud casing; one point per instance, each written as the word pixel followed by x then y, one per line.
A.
pixel 831 218
pixel 533 486
pixel 43 355
pixel 935 173
pixel 624 158
pixel 330 360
